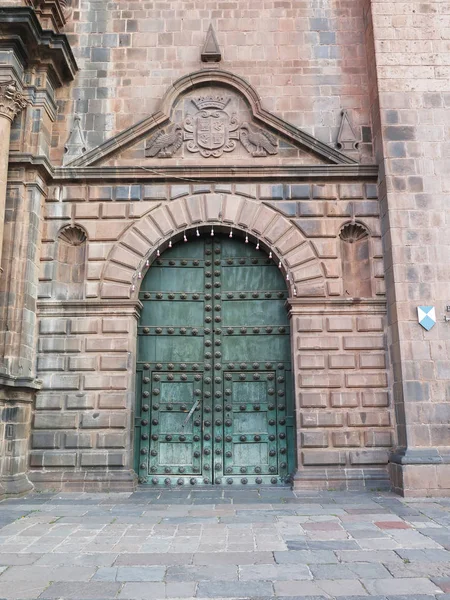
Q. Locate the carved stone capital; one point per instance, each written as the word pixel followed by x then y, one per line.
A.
pixel 12 101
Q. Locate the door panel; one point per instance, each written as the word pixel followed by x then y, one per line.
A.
pixel 214 402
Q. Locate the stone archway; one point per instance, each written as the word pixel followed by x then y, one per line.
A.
pixel 138 246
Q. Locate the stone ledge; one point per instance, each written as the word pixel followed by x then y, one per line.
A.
pixel 349 479
pixel 97 480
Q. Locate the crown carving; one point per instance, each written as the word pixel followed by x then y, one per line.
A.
pixel 203 102
pixel 353 232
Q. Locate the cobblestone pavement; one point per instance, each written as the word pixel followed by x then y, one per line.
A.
pixel 267 543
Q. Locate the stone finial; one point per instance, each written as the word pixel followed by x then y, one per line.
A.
pixel 211 50
pixel 347 140
pixel 12 101
pixel 76 143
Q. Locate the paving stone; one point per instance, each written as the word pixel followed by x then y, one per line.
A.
pixel 81 591
pixel 395 586
pixel 306 557
pixel 199 573
pixel 298 589
pixel 233 558
pixel 143 591
pixel 148 558
pixel 234 589
pixel 274 572
pixel 342 587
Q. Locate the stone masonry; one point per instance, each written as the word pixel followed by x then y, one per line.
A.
pixel 334 118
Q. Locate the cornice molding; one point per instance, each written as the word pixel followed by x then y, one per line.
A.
pixel 22 33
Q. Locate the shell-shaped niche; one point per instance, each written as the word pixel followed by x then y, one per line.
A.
pixel 73 235
pixel 353 232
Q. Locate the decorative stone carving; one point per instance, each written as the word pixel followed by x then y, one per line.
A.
pixel 165 144
pixel 53 14
pixel 76 144
pixel 73 235
pixel 258 142
pixel 12 101
pixel 211 50
pixel 347 140
pixel 353 232
pixel 211 131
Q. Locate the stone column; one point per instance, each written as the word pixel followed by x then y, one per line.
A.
pixel 11 103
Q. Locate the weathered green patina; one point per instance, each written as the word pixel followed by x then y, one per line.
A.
pixel 214 391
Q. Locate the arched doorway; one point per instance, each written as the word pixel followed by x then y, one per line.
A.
pixel 214 390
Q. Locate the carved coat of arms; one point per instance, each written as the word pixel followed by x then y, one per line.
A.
pixel 211 131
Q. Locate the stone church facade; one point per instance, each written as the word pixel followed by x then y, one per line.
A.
pixel 218 221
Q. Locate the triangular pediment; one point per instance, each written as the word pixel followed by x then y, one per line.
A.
pixel 211 117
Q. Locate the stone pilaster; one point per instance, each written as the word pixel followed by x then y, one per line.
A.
pixel 11 103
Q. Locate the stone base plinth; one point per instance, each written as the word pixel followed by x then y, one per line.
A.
pixel 84 481
pixel 342 479
pixel 420 480
pixel 15 485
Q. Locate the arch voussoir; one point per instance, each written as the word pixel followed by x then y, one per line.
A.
pixel 132 253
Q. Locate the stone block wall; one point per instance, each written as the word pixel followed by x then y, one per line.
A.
pixel 411 116
pixel 82 419
pixel 82 432
pixel 307 60
pixel 344 409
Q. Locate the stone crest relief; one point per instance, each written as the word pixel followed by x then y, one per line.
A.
pixel 211 131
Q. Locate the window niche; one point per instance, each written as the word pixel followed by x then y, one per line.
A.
pixel 70 263
pixel 355 256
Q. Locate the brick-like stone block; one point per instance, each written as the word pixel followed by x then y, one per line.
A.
pixel 309 324
pixel 50 363
pixel 313 399
pixel 369 419
pixel 369 457
pixel 41 440
pixel 102 459
pixel 114 363
pixel 346 439
pixel 84 325
pixel 60 382
pixel 111 440
pixel 82 363
pixel 372 398
pixel 80 401
pixel 369 324
pixel 364 342
pixel 49 459
pixel 60 344
pixel 323 457
pixel 311 361
pixel 322 380
pixel 53 326
pixel 339 323
pixel 366 380
pixel 372 361
pixel 107 344
pixel 103 419
pixel 112 400
pixel 322 419
pixel 318 343
pixel 78 440
pixel 56 420
pixel 96 381
pixel 344 399
pixel 46 401
pixel 378 438
pixel 314 439
pixel 342 361
pixel 117 325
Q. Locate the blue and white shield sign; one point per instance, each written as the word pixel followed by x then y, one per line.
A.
pixel 426 316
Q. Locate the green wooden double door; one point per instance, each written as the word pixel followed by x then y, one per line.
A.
pixel 214 391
